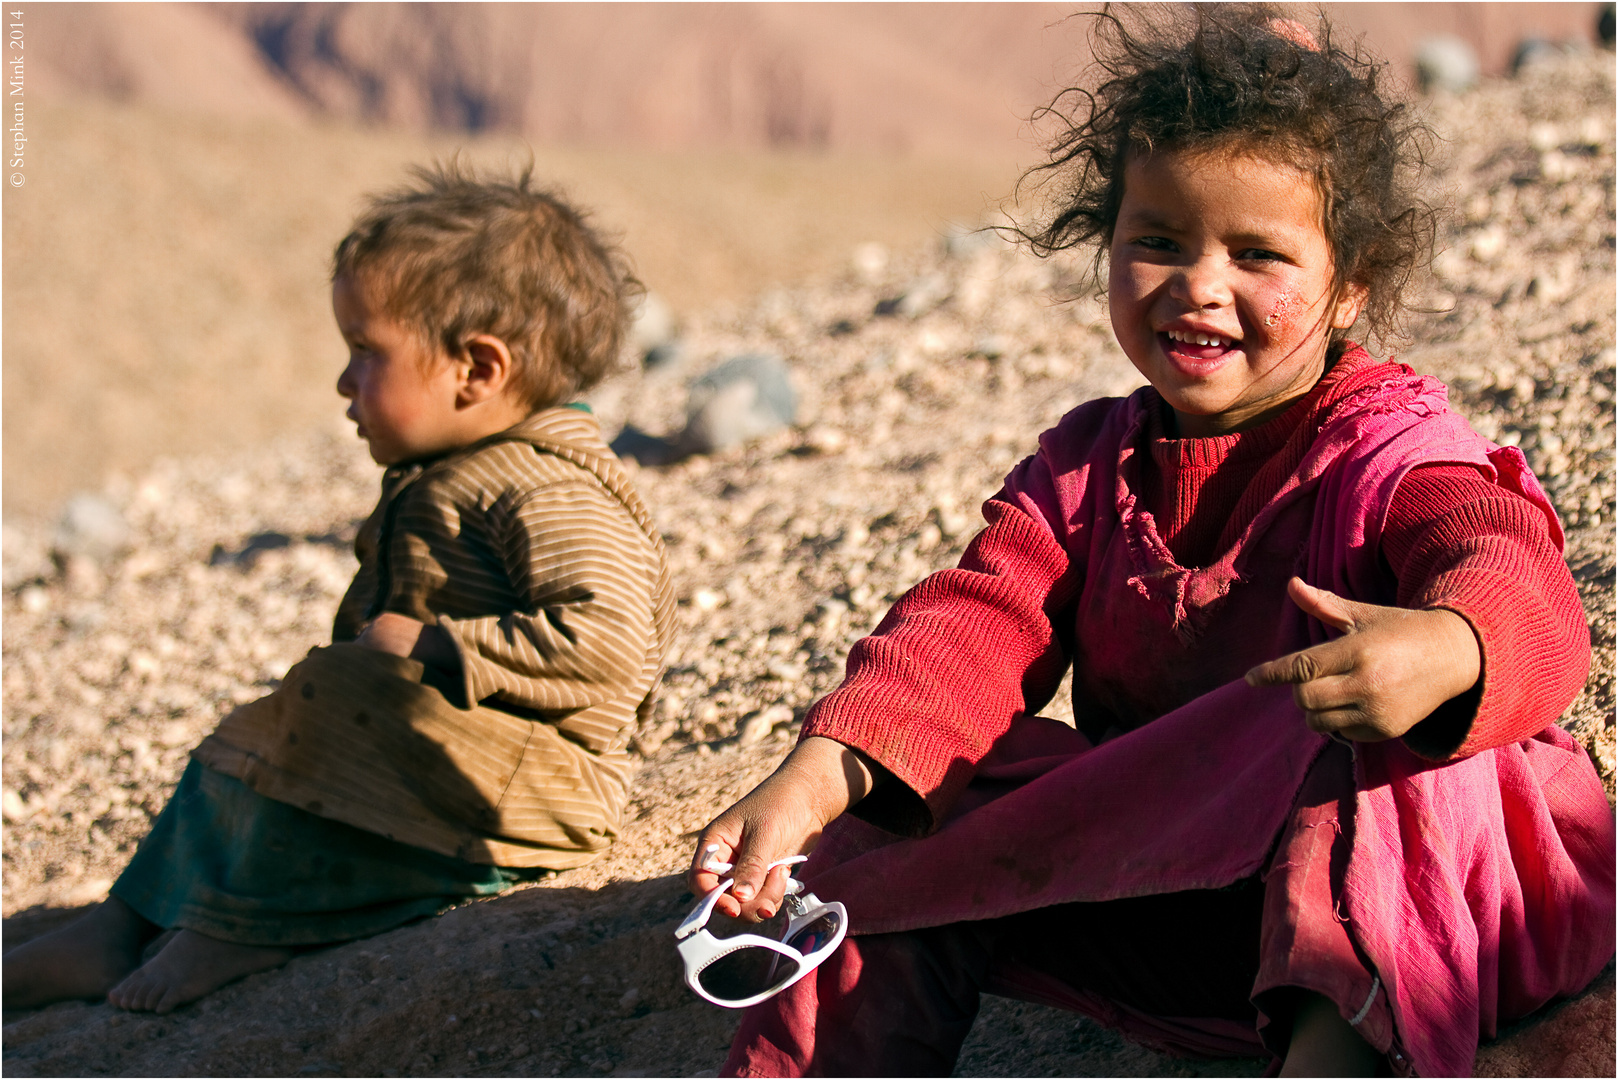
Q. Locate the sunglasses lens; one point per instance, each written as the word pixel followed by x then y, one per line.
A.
pixel 746 972
pixel 816 934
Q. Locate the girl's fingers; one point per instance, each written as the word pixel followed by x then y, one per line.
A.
pixel 1349 723
pixel 1330 694
pixel 1322 661
pixel 759 892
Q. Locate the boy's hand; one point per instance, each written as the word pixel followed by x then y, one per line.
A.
pixel 1391 668
pixel 783 816
pixel 401 635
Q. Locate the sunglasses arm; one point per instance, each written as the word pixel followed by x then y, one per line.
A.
pixel 704 910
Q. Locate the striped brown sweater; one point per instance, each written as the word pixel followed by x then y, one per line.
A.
pixel 533 552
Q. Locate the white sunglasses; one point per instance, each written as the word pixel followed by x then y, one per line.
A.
pixel 735 972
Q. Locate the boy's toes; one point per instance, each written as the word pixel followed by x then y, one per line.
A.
pixel 135 994
pixel 122 995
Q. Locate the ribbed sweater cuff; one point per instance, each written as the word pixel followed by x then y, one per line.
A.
pixel 1528 676
pixel 926 758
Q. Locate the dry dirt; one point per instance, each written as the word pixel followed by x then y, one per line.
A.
pixel 786 552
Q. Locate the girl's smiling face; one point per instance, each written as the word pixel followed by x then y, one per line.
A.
pixel 1221 285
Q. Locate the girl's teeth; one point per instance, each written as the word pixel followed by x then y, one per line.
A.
pixel 1199 339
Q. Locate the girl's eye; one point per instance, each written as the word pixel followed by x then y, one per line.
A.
pixel 1156 243
pixel 1260 255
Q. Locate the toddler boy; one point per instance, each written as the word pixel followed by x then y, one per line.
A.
pixel 508 624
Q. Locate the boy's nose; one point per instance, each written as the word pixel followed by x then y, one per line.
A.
pixel 345 382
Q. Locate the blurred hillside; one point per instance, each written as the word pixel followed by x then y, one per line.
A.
pixel 937 79
pixel 191 165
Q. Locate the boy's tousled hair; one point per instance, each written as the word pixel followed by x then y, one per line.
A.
pixel 1245 78
pixel 459 254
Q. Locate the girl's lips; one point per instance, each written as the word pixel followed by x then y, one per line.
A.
pixel 1196 359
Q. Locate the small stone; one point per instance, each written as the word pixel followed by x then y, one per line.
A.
pixel 1534 50
pixel 853 537
pixel 829 616
pixel 664 355
pixel 90 528
pixel 1487 244
pixel 962 241
pixel 824 440
pixel 755 727
pixel 34 600
pixel 990 347
pixel 1446 64
pixel 707 599
pixel 651 325
pixel 870 260
pixel 951 522
pixel 12 806
pixel 922 295
pixel 630 998
pixel 785 670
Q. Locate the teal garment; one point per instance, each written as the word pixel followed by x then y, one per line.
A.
pixel 225 861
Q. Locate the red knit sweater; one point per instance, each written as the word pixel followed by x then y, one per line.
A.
pixel 1452 540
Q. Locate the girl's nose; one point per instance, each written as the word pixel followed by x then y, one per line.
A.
pixel 1202 284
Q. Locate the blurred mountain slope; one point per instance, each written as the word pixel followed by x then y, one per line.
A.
pixel 175 56
pixel 936 79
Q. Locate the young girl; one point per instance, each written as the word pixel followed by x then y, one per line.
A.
pixel 1316 804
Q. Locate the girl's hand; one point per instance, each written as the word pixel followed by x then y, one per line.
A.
pixel 1391 668
pixel 782 816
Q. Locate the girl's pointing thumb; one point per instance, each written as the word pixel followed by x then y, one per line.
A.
pixel 1323 605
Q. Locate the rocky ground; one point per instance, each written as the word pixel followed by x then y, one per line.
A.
pixel 923 376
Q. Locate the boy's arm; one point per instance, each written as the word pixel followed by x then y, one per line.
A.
pixel 586 575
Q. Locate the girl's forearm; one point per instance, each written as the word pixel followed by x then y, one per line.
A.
pixel 839 775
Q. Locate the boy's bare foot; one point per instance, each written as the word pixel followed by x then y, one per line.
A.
pixel 1323 1044
pixel 191 966
pixel 83 959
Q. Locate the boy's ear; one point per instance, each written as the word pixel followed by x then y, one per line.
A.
pixel 486 369
pixel 1350 302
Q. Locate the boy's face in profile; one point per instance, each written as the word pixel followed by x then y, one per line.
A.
pixel 401 392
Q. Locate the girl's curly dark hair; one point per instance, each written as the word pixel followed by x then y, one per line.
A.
pixel 1245 78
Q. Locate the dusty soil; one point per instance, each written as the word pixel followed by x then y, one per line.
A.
pixel 786 552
